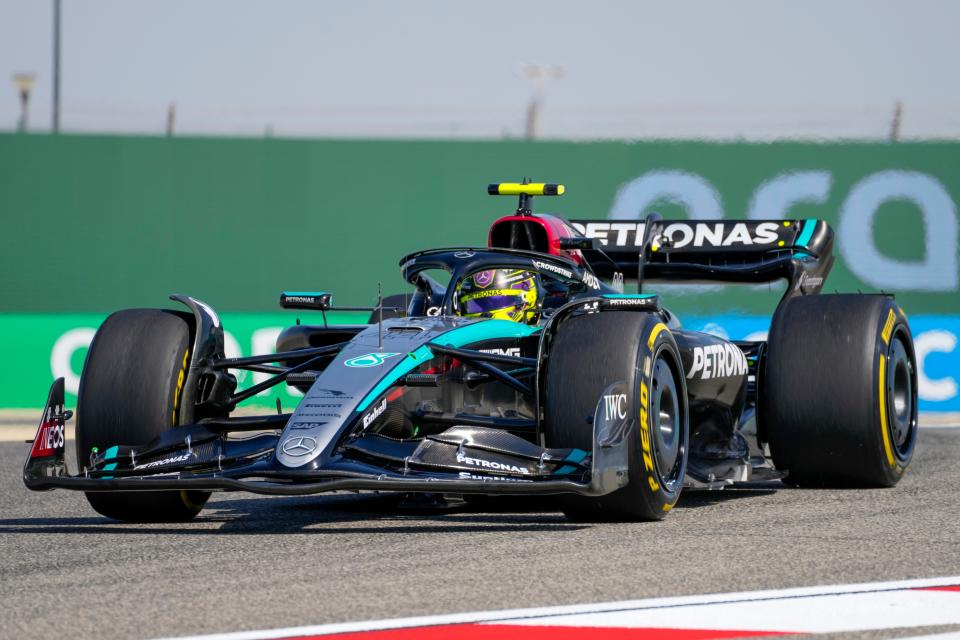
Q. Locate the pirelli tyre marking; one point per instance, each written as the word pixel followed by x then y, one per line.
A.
pixel 646 426
pixel 178 390
pixel 889 360
pixel 884 427
pixel 654 333
pixel 888 327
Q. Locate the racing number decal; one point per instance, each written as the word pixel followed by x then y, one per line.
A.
pixel 181 378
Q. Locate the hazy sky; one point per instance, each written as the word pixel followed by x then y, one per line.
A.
pixel 124 62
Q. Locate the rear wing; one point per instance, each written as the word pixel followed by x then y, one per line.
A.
pixel 756 251
pixel 799 251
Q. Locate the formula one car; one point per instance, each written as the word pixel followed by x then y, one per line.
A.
pixel 522 367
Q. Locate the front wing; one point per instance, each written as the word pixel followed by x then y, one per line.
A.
pixel 193 458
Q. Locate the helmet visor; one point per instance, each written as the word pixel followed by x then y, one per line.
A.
pixel 490 301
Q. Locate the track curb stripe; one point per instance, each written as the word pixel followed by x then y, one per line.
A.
pixel 939 593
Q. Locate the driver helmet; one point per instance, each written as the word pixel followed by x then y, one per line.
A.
pixel 505 294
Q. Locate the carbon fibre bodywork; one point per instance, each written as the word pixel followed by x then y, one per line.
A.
pixel 438 403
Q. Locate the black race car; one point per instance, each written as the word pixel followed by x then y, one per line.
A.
pixel 593 394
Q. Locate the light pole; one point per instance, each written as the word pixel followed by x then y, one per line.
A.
pixel 56 66
pixel 24 83
pixel 537 75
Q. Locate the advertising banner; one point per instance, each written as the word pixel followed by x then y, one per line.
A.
pixel 44 347
pixel 98 223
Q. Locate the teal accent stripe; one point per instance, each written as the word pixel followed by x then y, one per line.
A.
pixel 108 454
pixel 412 361
pixel 633 296
pixel 485 330
pixel 456 338
pixel 576 456
pixel 807 233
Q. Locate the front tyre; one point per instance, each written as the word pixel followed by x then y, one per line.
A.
pixel 130 392
pixel 840 391
pixel 589 353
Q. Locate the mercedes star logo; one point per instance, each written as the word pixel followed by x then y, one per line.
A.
pixel 299 445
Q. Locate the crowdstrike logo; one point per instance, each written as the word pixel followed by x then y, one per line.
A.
pixel 547 266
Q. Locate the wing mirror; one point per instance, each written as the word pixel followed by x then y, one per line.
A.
pixel 579 243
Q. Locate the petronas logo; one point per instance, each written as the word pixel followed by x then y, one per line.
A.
pixel 369 360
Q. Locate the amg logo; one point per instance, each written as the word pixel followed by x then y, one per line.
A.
pixel 615 406
pixel 489 464
pixel 546 266
pixel 509 351
pixel 374 414
pixel 683 234
pixel 718 361
pixel 159 463
pixel 469 476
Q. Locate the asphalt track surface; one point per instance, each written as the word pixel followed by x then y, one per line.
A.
pixel 259 562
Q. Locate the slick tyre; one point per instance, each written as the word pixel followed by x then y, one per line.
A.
pixel 130 392
pixel 592 351
pixel 840 391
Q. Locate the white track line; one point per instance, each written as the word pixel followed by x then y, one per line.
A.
pixel 877 605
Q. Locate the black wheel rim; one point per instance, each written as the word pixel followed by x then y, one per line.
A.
pixel 667 423
pixel 901 390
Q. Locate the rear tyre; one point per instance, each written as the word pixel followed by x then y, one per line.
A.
pixel 130 392
pixel 591 352
pixel 840 391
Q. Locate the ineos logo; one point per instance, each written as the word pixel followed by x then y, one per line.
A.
pixel 299 446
